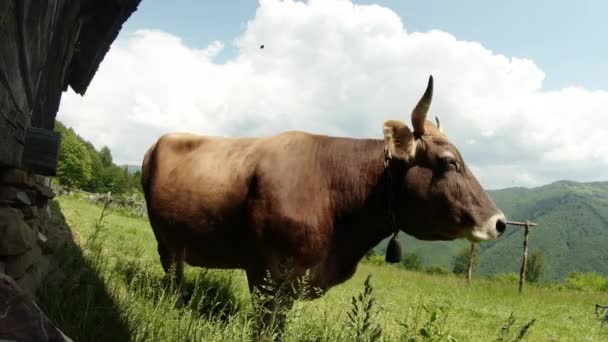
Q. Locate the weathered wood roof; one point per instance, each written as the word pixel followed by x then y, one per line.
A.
pixel 103 21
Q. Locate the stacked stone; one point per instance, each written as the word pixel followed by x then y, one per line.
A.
pixel 22 319
pixel 23 227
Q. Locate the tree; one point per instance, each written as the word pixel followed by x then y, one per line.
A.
pixel 83 167
pixel 60 128
pixel 461 261
pixel 74 167
pixel 114 179
pixel 95 184
pixel 106 156
pixel 136 183
pixel 412 261
pixel 536 267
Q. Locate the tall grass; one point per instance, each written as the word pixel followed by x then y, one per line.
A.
pixel 362 314
pixel 109 286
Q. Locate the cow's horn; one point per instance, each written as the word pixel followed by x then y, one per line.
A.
pixel 438 124
pixel 422 108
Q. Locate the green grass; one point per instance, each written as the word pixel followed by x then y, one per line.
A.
pixel 113 290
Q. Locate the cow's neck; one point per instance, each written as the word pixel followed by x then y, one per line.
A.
pixel 360 186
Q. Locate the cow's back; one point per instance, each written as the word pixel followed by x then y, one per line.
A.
pixel 196 189
pixel 190 179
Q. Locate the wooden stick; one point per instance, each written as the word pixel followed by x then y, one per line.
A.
pixel 470 265
pixel 524 261
pixel 523 224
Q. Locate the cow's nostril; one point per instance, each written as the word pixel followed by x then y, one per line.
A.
pixel 501 225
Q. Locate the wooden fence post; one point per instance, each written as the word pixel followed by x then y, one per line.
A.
pixel 470 265
pixel 524 260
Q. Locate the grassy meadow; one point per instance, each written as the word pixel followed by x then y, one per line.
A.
pixel 109 287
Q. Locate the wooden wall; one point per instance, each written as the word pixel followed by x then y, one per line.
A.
pixel 37 45
pixel 46 45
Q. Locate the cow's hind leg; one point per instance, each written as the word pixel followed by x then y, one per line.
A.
pixel 173 265
pixel 272 301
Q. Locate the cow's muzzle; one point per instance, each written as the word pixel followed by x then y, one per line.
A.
pixel 491 229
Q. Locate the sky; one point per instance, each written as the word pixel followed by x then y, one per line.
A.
pixel 521 87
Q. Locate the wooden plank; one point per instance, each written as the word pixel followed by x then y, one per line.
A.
pixel 41 151
pixel 522 224
pixel 11 147
pixel 14 107
pixel 48 31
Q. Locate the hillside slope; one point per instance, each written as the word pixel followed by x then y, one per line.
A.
pixel 572 231
pixel 114 282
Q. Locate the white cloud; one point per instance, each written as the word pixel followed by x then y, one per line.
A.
pixel 332 67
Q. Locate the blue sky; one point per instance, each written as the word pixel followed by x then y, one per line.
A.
pixel 521 87
pixel 568 40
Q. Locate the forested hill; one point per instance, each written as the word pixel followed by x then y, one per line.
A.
pixel 83 167
pixel 572 232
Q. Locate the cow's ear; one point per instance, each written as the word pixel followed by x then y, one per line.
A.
pixel 399 140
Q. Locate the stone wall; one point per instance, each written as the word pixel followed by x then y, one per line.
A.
pixel 24 227
pixel 22 319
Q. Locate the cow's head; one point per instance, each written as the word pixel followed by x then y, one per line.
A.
pixel 439 198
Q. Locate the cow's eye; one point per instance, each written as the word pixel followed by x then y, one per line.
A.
pixel 450 164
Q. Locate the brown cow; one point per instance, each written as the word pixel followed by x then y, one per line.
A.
pixel 320 201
